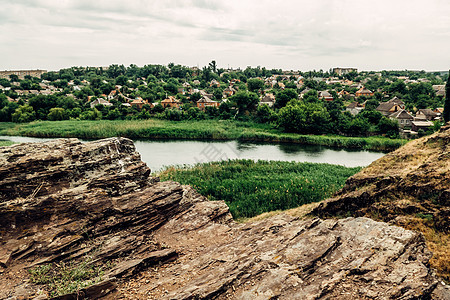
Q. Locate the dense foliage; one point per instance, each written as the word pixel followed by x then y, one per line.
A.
pixel 191 129
pixel 298 107
pixel 250 188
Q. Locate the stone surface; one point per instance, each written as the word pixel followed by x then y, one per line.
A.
pixel 414 179
pixel 65 201
pixel 409 187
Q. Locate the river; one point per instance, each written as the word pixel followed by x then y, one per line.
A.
pixel 157 153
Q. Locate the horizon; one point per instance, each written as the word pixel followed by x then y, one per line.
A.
pixel 227 68
pixel 292 35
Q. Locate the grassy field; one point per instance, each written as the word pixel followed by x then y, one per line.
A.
pixel 199 130
pixel 250 188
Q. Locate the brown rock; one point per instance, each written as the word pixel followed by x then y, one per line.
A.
pixel 408 187
pixel 68 202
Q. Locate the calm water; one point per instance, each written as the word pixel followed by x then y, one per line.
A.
pixel 158 154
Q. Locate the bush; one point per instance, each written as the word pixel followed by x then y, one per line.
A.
pixel 172 114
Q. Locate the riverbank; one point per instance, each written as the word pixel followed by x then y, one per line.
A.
pixel 251 188
pixel 192 130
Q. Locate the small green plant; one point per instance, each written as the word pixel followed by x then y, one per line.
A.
pixel 428 217
pixel 63 278
pixel 40 274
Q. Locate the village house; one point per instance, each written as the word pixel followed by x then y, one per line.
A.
pixel 354 108
pixel 364 92
pixel 388 108
pixel 343 94
pixel 403 118
pixel 186 88
pixel 418 125
pixel 11 99
pixel 426 114
pixel 112 95
pixel 303 93
pixel 181 90
pixel 46 92
pixel 439 111
pixel 171 101
pixel 214 83
pixel 206 101
pixel 356 86
pixel 398 101
pixel 268 99
pixel 439 89
pixel 347 82
pixel 99 101
pixel 203 93
pixel 325 95
pixel 138 103
pixel 229 91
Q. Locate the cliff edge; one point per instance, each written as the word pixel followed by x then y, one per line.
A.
pixel 86 221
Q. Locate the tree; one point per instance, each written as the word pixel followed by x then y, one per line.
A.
pixel 254 84
pixel 245 101
pixel 398 87
pixel 304 118
pixel 25 84
pixel 388 127
pixel 264 114
pixel 14 78
pixel 447 100
pixel 358 126
pixel 372 104
pixel 196 96
pixel 213 66
pixel 283 97
pixel 218 94
pixel 24 113
pixel 56 114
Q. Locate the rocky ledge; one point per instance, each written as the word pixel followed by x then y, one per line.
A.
pixel 409 187
pixel 70 203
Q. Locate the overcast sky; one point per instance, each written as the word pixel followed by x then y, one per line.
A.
pixel 290 34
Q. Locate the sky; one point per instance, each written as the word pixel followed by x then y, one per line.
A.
pixel 291 34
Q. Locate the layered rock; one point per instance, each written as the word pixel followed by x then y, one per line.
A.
pixel 63 201
pixel 409 187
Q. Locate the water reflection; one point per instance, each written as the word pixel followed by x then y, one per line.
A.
pixel 295 149
pixel 160 153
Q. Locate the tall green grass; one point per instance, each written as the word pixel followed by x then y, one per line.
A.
pixel 5 143
pixel 250 188
pixel 199 130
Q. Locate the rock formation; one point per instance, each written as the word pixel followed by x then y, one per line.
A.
pixel 409 187
pixel 66 203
